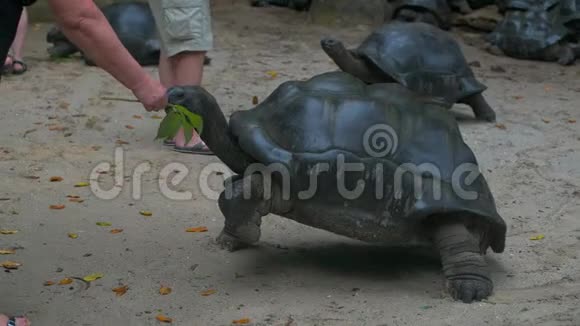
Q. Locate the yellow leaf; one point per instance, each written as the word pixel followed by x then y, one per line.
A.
pixel 538 237
pixel 208 292
pixel 197 229
pixel 8 231
pixel 500 126
pixel 7 252
pixel 73 235
pixel 10 264
pixel 243 321
pixel 57 206
pixel 155 116
pixel 119 291
pixel 163 319
pixel 571 120
pixel 72 196
pixel 137 116
pixel 115 231
pixel 103 224
pixel 55 179
pixel 164 290
pixel 48 283
pixel 255 100
pixel 82 184
pixel 145 213
pixel 92 277
pixel 76 200
pixel 65 281
pixel 272 73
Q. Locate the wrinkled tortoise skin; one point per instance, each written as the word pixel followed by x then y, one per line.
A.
pixel 438 8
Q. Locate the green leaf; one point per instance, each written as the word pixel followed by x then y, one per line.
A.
pixel 179 117
pixel 169 125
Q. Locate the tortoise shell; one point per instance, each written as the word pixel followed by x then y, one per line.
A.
pixel 439 8
pixel 526 34
pixel 423 58
pixel 335 116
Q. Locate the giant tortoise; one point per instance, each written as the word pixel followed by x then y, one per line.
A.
pixel 377 163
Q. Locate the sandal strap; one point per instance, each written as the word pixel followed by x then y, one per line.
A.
pixel 19 62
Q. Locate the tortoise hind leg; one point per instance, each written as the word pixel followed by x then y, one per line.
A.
pixel 480 107
pixel 243 205
pixel 467 274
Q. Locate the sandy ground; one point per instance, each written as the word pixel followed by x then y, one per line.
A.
pixel 297 275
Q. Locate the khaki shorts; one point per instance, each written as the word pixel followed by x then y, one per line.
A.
pixel 183 25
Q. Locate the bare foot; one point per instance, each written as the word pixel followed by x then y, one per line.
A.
pixel 19 321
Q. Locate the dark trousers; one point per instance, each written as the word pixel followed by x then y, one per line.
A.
pixel 10 12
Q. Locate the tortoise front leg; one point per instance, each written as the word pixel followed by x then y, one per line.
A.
pixel 466 271
pixel 243 205
pixel 480 107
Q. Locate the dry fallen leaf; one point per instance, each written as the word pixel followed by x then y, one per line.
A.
pixel 8 231
pixel 518 97
pixel 208 292
pixel 163 319
pixel 115 231
pixel 10 264
pixel 155 116
pixel 119 291
pixel 48 283
pixel 72 196
pixel 537 237
pixel 164 290
pixel 197 229
pixel 255 100
pixel 57 206
pixel 103 224
pixel 548 88
pixel 64 105
pixel 272 73
pixel 145 213
pixel 65 281
pixel 73 235
pixel 7 252
pixel 136 116
pixel 243 321
pixel 500 126
pixel 57 128
pixel 55 179
pixel 76 200
pixel 121 142
pixel 82 184
pixel 129 127
pixel 92 277
pixel 546 120
pixel 571 120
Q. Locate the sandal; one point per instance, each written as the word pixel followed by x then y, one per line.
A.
pixel 21 71
pixel 167 142
pixel 199 148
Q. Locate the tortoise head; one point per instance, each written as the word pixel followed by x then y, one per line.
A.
pixel 194 98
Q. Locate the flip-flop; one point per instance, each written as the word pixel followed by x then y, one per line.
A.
pixel 19 72
pixel 169 142
pixel 198 148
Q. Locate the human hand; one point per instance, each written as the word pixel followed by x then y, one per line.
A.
pixel 152 95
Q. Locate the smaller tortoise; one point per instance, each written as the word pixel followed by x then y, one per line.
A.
pixel 419 56
pixel 534 34
pixel 434 12
pixel 411 180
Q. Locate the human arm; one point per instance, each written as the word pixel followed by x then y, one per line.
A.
pixel 84 24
